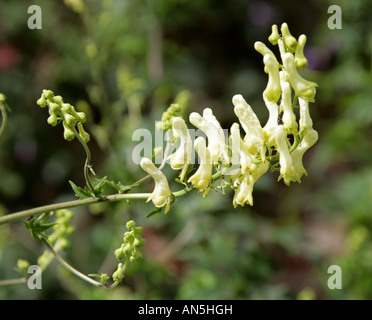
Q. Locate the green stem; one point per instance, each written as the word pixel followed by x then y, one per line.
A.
pixel 70 204
pixel 68 266
pixel 4 117
pixel 12 281
pixel 87 160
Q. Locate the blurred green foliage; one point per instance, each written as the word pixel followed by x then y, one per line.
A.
pixel 123 63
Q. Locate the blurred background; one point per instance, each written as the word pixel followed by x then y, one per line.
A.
pixel 123 62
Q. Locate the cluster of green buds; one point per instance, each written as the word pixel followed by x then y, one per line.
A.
pixel 59 238
pixel 129 249
pixel 65 112
pixel 176 109
pixel 243 158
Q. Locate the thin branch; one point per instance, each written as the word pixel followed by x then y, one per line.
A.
pixel 68 266
pixel 70 204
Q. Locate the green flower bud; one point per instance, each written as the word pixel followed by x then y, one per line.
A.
pixel 137 256
pixel 70 120
pixel 58 100
pixel 274 37
pixel 42 102
pixel 48 94
pixel 68 134
pixel 300 59
pixel 117 276
pixel 130 225
pixel 54 108
pixel 119 254
pixel 288 39
pixel 22 266
pixel 53 120
pixel 85 135
pixel 127 250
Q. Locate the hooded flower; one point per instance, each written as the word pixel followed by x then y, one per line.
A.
pixel 203 176
pixel 307 142
pixel 288 118
pixel 182 157
pixel 303 88
pixel 285 159
pixel 254 139
pixel 216 138
pixel 240 155
pixel 243 194
pixel 161 195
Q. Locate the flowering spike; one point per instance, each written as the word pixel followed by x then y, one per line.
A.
pixel 161 195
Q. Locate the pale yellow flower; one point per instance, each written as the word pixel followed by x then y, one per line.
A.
pixel 161 196
pixel 202 178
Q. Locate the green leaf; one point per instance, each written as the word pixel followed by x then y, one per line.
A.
pixel 120 187
pixel 80 192
pixel 156 211
pixel 38 228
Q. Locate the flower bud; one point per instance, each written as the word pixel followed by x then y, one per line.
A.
pixel 68 134
pixel 117 276
pixel 300 59
pixel 274 36
pixel 130 225
pixel 289 40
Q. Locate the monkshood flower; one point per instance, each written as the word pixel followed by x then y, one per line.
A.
pixel 285 159
pixel 288 116
pixel 239 152
pixel 254 138
pixel 161 196
pixel 216 138
pixel 202 178
pixel 307 142
pixel 303 88
pixel 243 193
pixel 182 157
